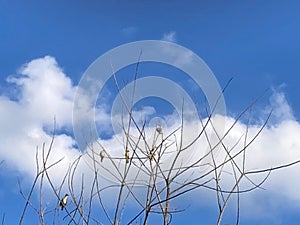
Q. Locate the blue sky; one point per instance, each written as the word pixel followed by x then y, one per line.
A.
pixel 255 42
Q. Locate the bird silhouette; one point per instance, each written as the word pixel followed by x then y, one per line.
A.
pixel 63 202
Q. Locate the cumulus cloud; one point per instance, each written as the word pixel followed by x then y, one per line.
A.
pixel 45 92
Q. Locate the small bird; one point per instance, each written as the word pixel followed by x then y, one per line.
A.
pixel 102 155
pixel 127 155
pixel 159 130
pixel 152 153
pixel 63 202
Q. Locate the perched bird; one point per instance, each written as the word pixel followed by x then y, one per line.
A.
pixel 127 155
pixel 152 153
pixel 159 130
pixel 63 202
pixel 102 154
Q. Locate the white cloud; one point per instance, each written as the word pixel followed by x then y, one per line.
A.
pixel 169 36
pixel 281 108
pixel 45 92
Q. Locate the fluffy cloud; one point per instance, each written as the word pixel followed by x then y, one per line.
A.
pixel 45 92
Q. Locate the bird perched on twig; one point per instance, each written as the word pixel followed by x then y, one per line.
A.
pixel 152 153
pixel 127 155
pixel 159 130
pixel 63 202
pixel 102 155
